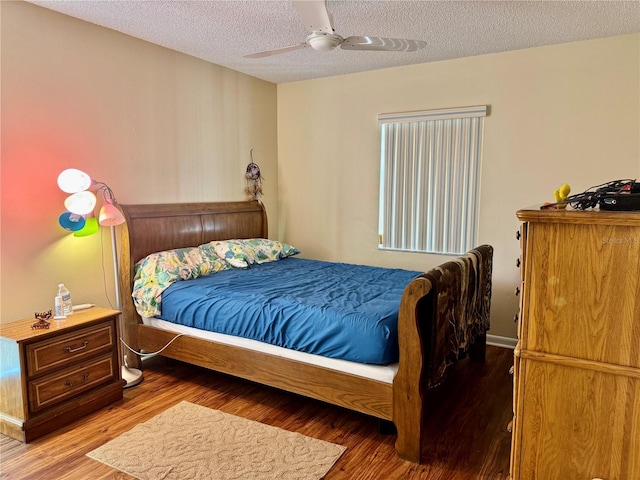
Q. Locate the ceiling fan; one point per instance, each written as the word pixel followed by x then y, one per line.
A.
pixel 322 36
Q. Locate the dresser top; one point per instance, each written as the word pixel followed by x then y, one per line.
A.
pixel 21 330
pixel 570 215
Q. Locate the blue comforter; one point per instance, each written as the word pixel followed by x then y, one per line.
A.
pixel 335 310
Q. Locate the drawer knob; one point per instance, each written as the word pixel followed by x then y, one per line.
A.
pixel 73 350
pixel 85 377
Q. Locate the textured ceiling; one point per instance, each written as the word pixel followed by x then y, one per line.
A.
pixel 221 31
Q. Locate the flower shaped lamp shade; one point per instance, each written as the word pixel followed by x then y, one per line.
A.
pixel 81 203
pixel 90 227
pixel 72 221
pixel 73 180
pixel 79 218
pixel 110 215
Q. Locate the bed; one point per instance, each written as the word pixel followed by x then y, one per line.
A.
pixel 443 316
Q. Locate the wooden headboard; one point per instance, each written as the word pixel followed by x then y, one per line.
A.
pixel 154 228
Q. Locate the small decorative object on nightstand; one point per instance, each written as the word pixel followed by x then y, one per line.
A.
pixel 51 377
pixel 42 318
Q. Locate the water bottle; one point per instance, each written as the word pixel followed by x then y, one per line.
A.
pixel 66 307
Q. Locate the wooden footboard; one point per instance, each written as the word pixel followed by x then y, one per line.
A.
pixel 444 315
pixel 408 401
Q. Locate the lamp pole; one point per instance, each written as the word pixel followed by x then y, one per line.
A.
pixel 132 376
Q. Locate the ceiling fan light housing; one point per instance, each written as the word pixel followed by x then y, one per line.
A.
pixel 324 42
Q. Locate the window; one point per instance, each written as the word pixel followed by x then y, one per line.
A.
pixel 429 180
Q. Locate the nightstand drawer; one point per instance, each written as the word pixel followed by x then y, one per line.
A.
pixel 63 350
pixel 60 386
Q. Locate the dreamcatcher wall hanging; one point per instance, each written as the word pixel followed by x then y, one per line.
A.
pixel 254 179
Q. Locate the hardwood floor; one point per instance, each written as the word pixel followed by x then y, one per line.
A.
pixel 466 426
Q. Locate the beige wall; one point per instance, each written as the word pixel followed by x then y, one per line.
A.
pixel 156 125
pixel 567 113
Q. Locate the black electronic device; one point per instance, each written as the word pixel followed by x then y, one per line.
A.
pixel 628 199
pixel 620 195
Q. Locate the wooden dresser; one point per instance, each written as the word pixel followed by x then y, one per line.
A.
pixel 577 363
pixel 52 377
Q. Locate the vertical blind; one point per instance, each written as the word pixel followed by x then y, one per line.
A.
pixel 429 180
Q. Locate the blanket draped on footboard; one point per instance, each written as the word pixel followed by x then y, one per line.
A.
pixel 461 310
pixel 448 310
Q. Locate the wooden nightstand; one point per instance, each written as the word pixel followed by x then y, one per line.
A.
pixel 49 378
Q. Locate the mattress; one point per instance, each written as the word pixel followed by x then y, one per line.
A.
pixel 381 373
pixel 335 310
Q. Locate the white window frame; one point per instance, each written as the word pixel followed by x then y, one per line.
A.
pixel 430 165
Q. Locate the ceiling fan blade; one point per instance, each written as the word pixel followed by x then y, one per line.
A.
pixel 276 51
pixel 382 44
pixel 314 15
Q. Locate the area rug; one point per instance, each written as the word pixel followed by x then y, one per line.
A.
pixel 189 441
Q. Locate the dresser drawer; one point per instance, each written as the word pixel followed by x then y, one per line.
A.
pixel 581 296
pixel 60 386
pixel 64 350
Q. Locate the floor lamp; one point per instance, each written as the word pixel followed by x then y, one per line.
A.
pixel 80 220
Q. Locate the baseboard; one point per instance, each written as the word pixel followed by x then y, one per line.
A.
pixel 504 342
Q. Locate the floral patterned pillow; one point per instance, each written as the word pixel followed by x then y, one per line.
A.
pixel 231 251
pixel 156 272
pixel 242 253
pixel 263 250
